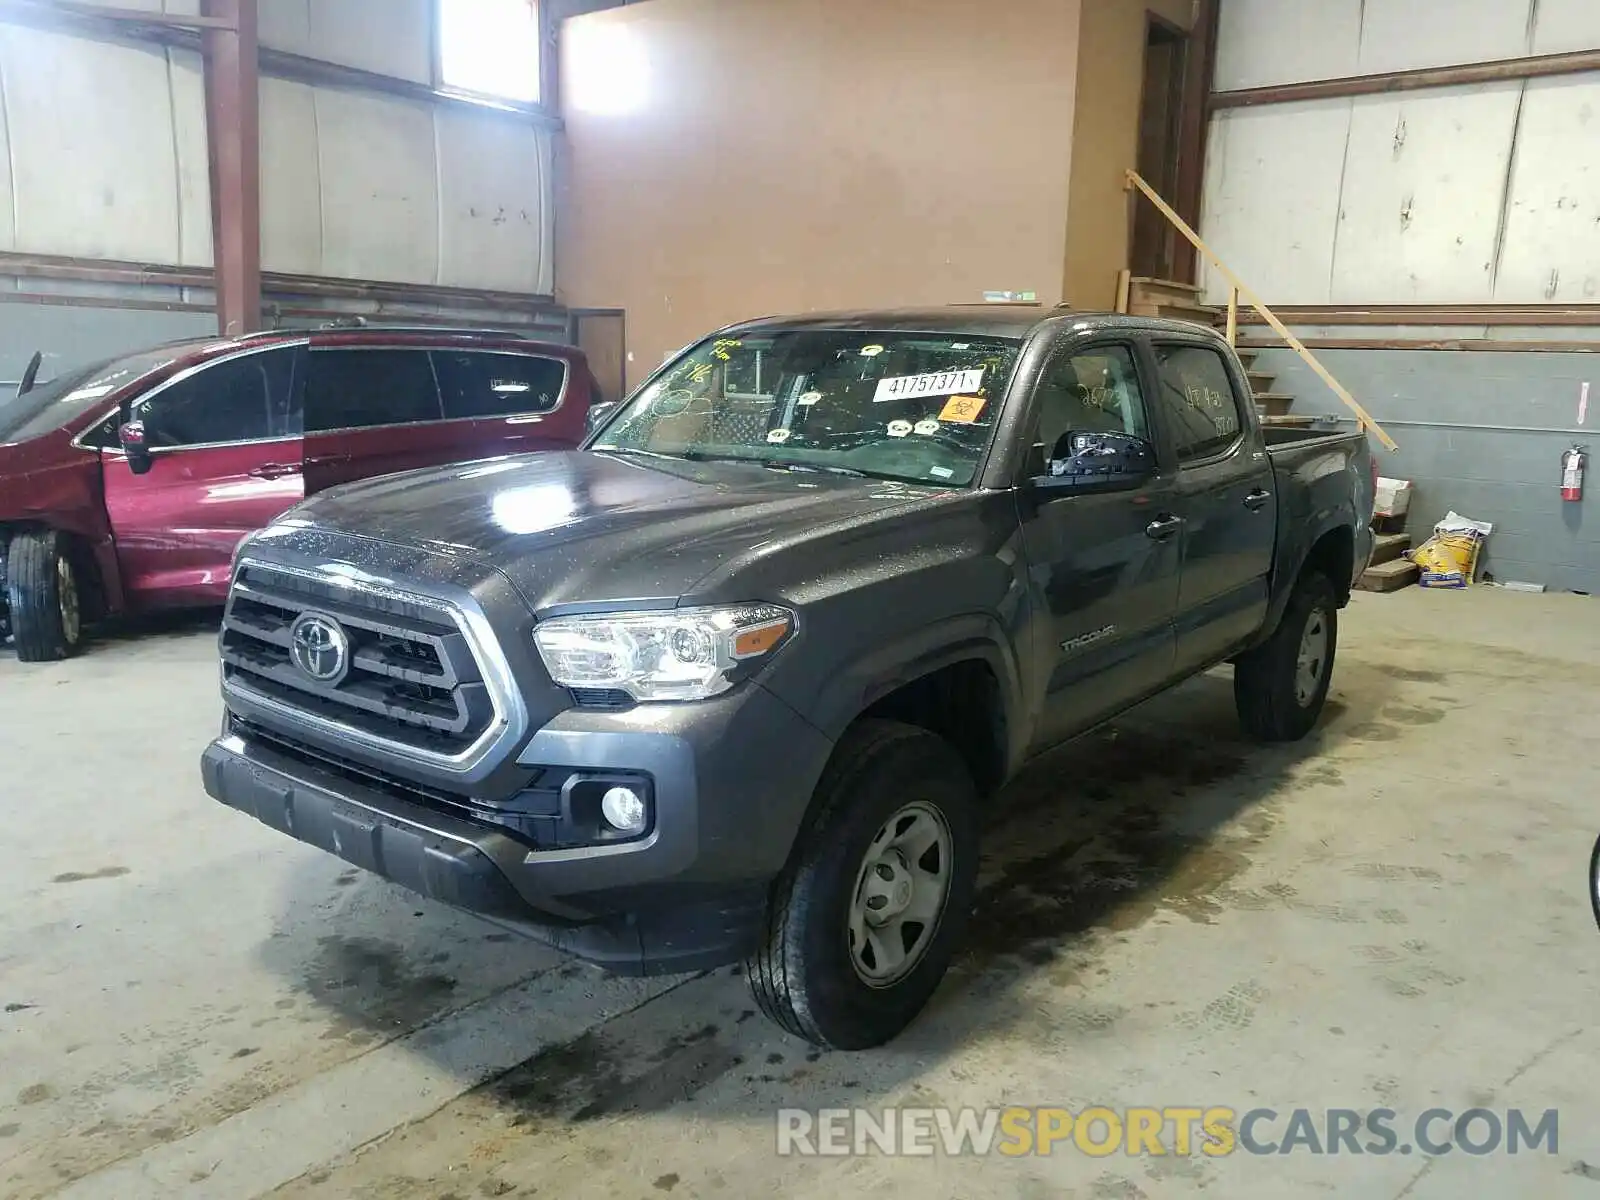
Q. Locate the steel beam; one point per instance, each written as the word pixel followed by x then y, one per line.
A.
pixel 233 143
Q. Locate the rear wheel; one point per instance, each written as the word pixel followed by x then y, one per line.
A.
pixel 44 596
pixel 865 920
pixel 1281 685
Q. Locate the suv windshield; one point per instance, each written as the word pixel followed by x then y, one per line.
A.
pixel 918 407
pixel 51 405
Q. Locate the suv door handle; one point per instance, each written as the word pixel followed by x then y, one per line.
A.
pixel 1257 500
pixel 275 470
pixel 1163 527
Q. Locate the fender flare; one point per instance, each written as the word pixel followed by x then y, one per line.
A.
pixel 1285 579
pixel 969 637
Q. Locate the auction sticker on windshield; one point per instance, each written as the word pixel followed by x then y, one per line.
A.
pixel 940 383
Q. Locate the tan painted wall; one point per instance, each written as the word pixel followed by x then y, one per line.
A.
pixel 791 155
pixel 1106 141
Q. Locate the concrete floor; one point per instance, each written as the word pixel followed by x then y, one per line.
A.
pixel 1391 914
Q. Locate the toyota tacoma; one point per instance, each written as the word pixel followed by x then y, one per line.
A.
pixel 730 682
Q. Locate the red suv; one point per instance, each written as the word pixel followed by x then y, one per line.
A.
pixel 125 487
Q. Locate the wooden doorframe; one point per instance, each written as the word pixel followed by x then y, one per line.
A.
pixel 1160 31
pixel 1200 64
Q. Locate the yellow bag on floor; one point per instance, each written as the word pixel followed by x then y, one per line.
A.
pixel 1445 552
pixel 1449 559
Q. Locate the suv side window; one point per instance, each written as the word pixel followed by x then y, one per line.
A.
pixel 243 399
pixel 357 389
pixel 1198 401
pixel 481 384
pixel 1094 389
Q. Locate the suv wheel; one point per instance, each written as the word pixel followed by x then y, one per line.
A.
pixel 865 920
pixel 1281 685
pixel 44 596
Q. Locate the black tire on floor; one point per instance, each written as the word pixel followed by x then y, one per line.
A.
pixel 1594 881
pixel 804 975
pixel 1271 709
pixel 40 575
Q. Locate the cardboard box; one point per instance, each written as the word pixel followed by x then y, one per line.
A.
pixel 1394 498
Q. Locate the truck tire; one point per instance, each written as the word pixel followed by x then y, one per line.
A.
pixel 845 961
pixel 44 597
pixel 1280 686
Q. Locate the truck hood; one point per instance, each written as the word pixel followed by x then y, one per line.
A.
pixel 587 528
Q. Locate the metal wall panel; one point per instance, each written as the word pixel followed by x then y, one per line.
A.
pixel 388 37
pixel 8 208
pixel 380 187
pixel 1552 242
pixel 1263 42
pixel 1423 180
pixel 92 148
pixel 284 25
pixel 291 183
pixel 493 221
pixel 1272 197
pixel 1565 25
pixel 193 160
pixel 1398 35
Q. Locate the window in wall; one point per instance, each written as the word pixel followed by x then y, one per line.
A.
pixel 490 48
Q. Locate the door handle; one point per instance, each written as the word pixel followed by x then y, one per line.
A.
pixel 1163 527
pixel 1257 500
pixel 275 470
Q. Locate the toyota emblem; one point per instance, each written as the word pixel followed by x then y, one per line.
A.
pixel 320 648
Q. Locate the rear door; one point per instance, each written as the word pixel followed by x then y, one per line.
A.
pixel 370 410
pixel 1224 495
pixel 373 410
pixel 225 460
pixel 1104 567
pixel 511 403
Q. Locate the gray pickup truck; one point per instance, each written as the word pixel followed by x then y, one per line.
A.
pixel 732 682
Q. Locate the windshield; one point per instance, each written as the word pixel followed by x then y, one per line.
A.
pixel 917 407
pixel 51 405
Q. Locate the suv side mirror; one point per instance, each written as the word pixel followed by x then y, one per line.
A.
pixel 131 436
pixel 1086 461
pixel 597 415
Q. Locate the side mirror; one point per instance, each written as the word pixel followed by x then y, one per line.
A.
pixel 597 416
pixel 131 436
pixel 1085 461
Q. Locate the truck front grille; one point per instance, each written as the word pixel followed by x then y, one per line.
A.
pixel 380 665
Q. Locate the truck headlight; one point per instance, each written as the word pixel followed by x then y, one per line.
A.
pixel 675 654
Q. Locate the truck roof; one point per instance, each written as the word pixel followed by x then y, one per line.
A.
pixel 978 320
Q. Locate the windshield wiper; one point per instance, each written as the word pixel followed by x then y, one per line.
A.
pixel 31 374
pixel 771 464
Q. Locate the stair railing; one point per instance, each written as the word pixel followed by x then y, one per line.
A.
pixel 1236 289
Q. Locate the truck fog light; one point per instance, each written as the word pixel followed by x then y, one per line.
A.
pixel 623 809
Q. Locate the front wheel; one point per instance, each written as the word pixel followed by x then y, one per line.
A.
pixel 1280 687
pixel 44 597
pixel 864 922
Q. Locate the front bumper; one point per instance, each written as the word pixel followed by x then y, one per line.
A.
pixel 731 780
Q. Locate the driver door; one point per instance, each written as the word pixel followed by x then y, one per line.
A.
pixel 1103 568
pixel 224 461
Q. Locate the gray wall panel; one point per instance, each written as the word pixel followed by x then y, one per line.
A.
pixel 1428 400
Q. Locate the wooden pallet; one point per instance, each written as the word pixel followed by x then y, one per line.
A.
pixel 1390 576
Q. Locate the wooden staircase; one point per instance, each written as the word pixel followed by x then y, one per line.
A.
pixel 1389 570
pixel 1181 302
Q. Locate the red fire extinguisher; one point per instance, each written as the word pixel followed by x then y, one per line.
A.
pixel 1572 464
